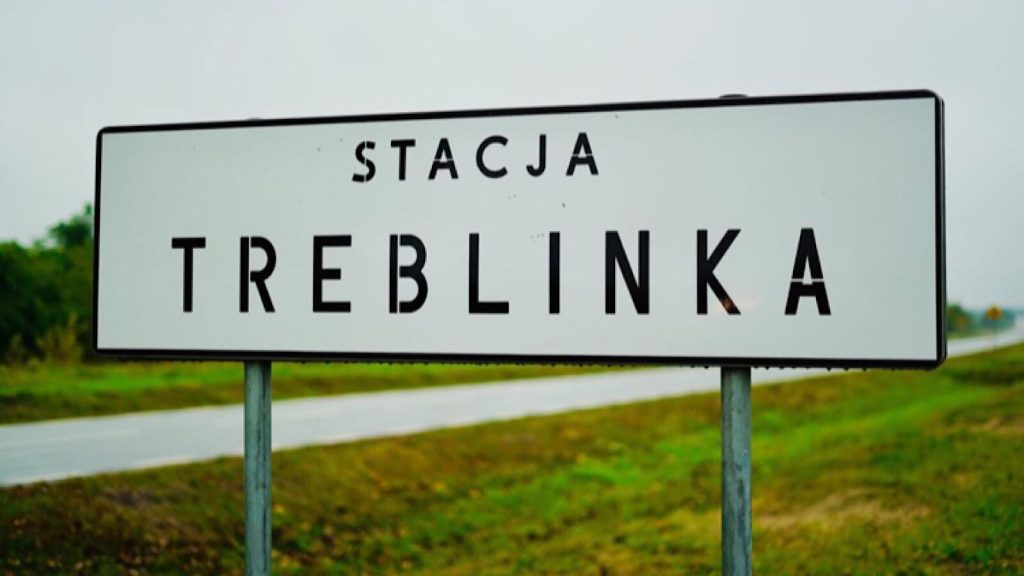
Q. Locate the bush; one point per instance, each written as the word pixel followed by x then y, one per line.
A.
pixel 59 344
pixel 16 353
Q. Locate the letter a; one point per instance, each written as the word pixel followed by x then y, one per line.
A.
pixel 807 255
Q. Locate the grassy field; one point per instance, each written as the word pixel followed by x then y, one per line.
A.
pixel 861 473
pixel 43 392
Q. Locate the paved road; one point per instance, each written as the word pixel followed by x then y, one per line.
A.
pixel 81 447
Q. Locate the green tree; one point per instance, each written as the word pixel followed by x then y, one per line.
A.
pixel 30 292
pixel 44 288
pixel 72 252
pixel 75 232
pixel 958 319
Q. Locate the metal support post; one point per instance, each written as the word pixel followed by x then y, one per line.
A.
pixel 257 468
pixel 737 545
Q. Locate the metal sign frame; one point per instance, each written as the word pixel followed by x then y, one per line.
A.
pixel 940 264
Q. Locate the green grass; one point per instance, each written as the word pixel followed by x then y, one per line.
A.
pixel 46 391
pixel 861 473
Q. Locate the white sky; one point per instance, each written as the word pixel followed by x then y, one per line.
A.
pixel 70 68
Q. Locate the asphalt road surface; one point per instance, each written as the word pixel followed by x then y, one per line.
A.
pixel 81 447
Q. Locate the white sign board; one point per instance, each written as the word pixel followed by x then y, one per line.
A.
pixel 780 231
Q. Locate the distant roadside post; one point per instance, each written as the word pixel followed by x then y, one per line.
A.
pixel 796 231
pixel 993 315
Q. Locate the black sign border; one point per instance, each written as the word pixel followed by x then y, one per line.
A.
pixel 940 242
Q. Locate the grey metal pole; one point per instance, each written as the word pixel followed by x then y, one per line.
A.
pixel 257 468
pixel 737 544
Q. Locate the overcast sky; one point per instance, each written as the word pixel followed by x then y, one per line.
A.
pixel 68 69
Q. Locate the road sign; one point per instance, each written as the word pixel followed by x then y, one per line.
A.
pixel 994 313
pixel 776 231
